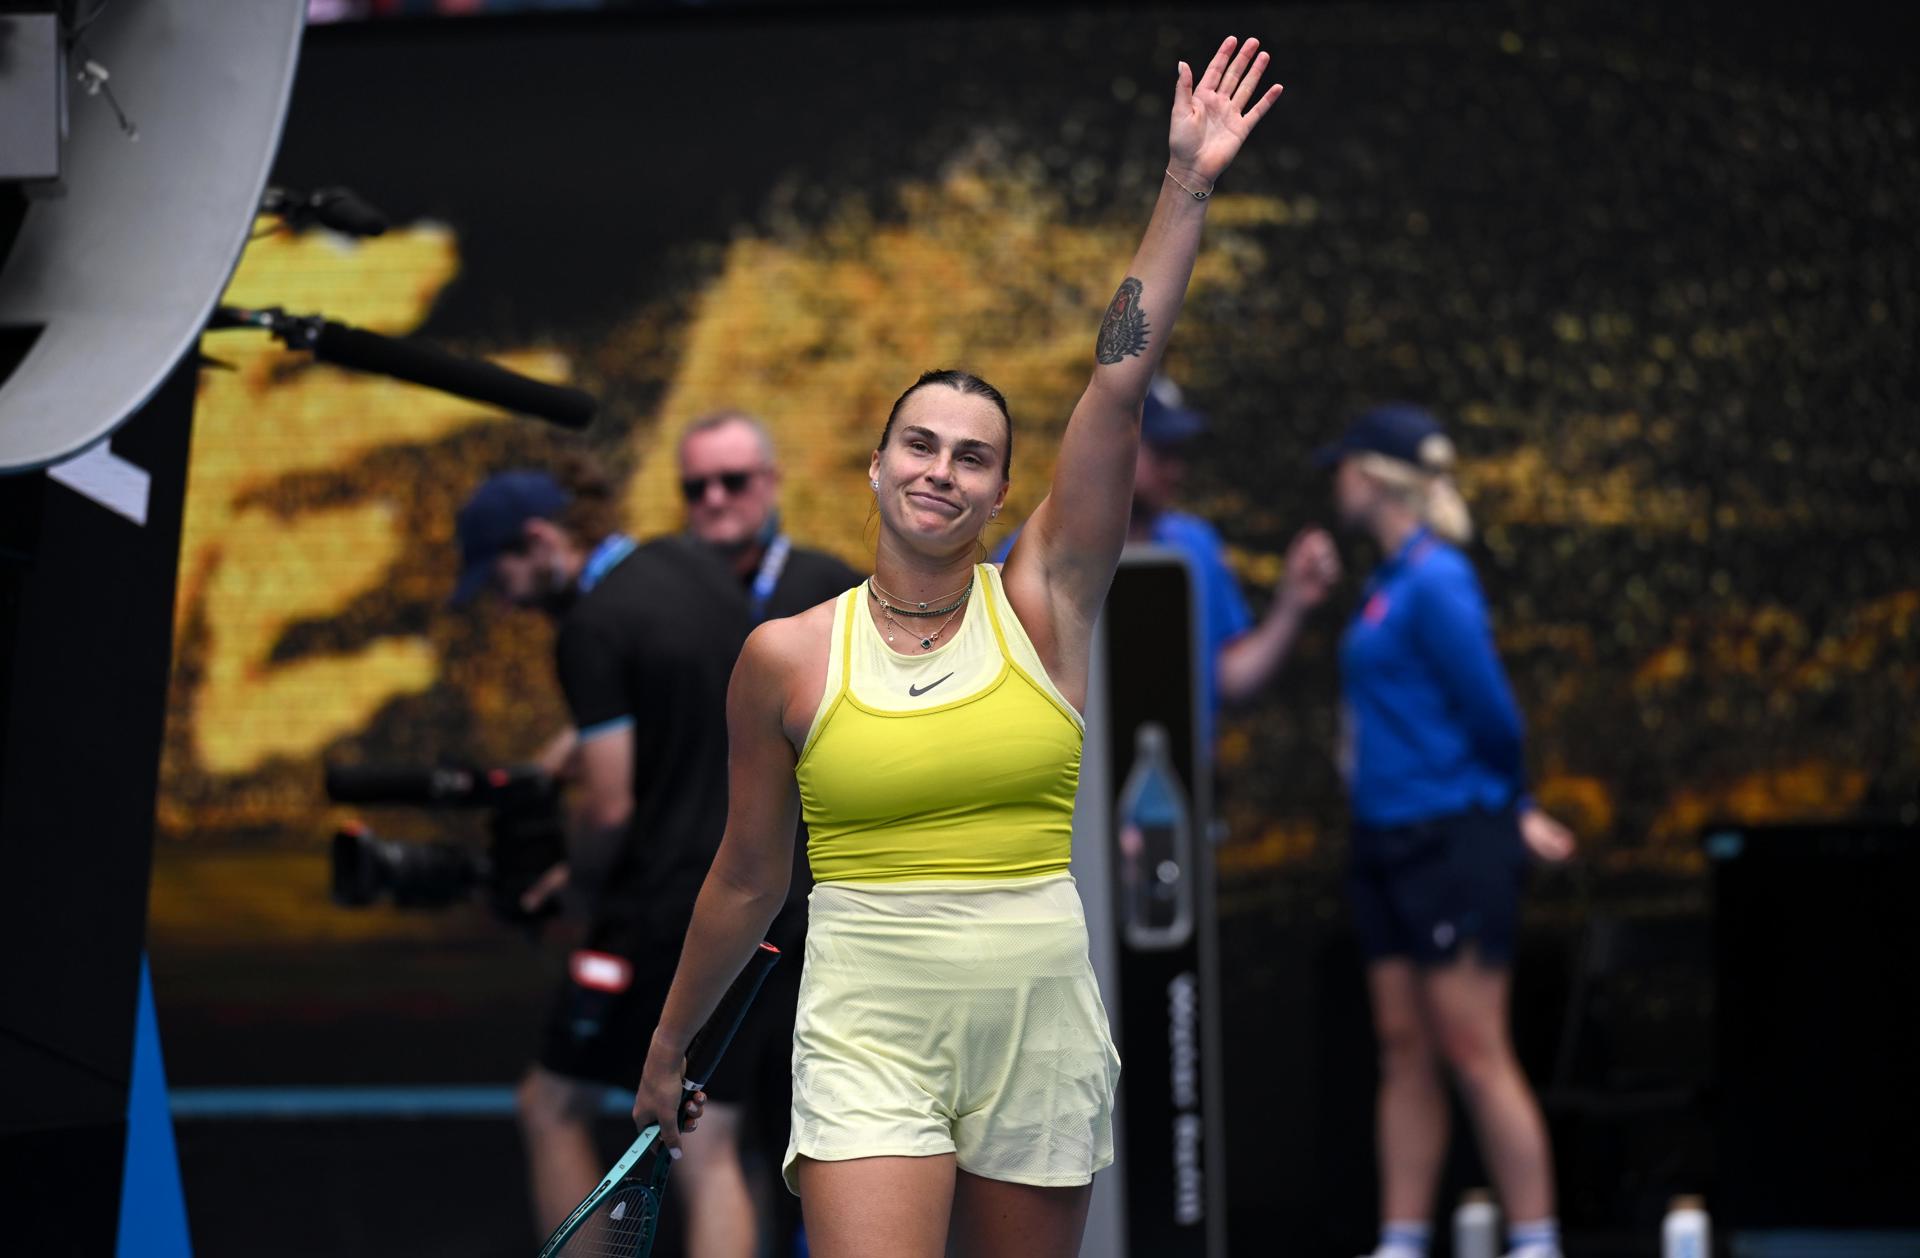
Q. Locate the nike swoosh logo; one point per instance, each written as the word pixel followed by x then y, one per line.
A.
pixel 917 691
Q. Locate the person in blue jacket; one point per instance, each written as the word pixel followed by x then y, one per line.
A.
pixel 1442 826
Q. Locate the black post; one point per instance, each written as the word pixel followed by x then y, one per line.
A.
pixel 86 629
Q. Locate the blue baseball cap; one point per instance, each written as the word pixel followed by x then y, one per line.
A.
pixel 494 521
pixel 1398 430
pixel 1165 424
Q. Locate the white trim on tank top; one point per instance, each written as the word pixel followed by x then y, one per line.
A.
pixel 931 672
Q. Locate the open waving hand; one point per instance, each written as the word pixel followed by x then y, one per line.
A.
pixel 1212 119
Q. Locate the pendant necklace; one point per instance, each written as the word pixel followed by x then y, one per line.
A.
pixel 926 643
pixel 888 610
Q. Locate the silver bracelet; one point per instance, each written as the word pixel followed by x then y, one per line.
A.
pixel 1198 196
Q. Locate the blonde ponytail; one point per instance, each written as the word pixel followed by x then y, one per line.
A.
pixel 1427 487
pixel 1445 511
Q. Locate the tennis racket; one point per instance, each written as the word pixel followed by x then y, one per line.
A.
pixel 618 1219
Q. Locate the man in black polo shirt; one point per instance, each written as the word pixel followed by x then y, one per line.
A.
pixel 647 638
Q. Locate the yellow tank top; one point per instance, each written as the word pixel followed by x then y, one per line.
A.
pixel 958 763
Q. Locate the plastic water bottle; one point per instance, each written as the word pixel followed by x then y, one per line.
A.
pixel 1155 847
pixel 1686 1232
pixel 1476 1226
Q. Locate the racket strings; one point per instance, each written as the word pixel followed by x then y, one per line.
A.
pixel 622 1224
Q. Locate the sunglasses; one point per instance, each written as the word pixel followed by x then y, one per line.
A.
pixel 694 488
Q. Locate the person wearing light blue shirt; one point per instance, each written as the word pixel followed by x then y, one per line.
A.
pixel 1241 654
pixel 1442 828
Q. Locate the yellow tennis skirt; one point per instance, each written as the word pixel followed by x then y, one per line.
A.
pixel 953 1017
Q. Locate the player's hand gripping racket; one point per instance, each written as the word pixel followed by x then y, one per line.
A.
pixel 618 1219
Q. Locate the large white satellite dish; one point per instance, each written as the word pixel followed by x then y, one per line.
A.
pixel 118 273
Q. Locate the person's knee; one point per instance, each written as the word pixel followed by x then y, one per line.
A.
pixel 1477 1056
pixel 532 1104
pixel 1405 1048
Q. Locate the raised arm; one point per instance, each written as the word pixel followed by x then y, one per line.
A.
pixel 1059 571
pixel 748 881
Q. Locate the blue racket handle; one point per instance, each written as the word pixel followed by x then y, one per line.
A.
pixel 704 1053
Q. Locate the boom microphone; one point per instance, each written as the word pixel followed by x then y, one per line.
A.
pixel 419 363
pixel 424 364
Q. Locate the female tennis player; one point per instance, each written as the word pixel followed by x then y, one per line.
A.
pixel 1442 828
pixel 952 1067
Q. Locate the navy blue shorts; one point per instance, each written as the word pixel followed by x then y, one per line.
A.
pixel 1427 891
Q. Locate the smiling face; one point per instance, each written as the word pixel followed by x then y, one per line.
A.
pixel 943 470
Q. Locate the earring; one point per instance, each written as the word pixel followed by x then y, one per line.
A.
pixel 993 514
pixel 876 486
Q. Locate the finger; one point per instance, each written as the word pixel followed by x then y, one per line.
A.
pixel 536 895
pixel 1210 81
pixel 1183 89
pixel 645 1117
pixel 1265 103
pixel 1244 92
pixel 1551 842
pixel 1237 70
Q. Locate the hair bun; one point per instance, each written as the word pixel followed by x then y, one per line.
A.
pixel 1436 452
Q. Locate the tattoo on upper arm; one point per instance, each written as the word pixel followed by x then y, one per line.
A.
pixel 1123 333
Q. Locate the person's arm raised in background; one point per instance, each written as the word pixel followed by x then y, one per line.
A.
pixel 1249 661
pixel 1058 573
